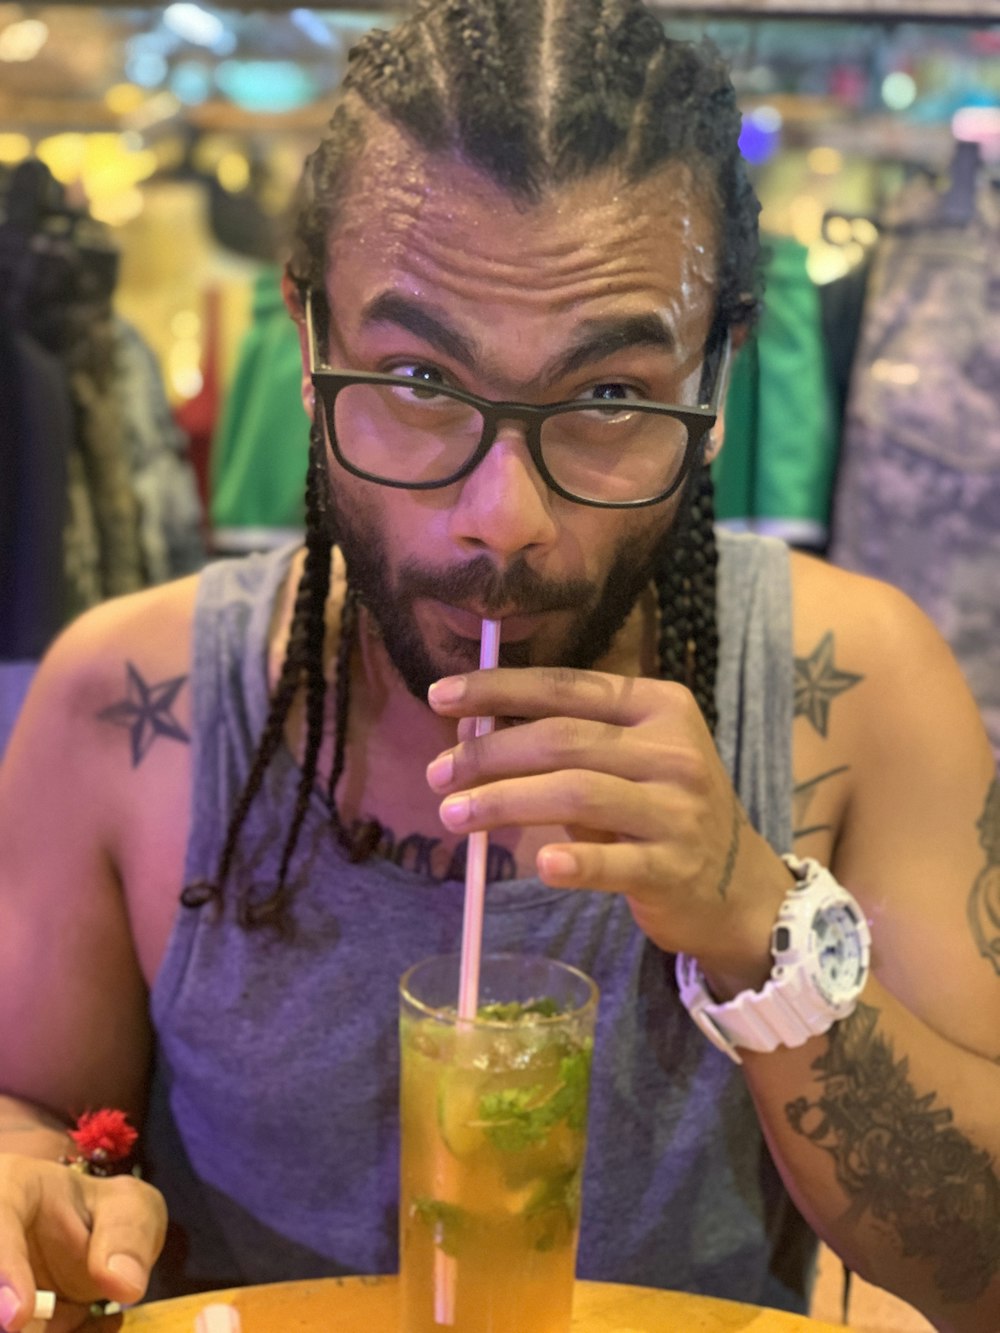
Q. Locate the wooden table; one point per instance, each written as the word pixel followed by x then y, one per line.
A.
pixel 369 1305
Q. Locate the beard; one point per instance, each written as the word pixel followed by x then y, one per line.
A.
pixel 598 611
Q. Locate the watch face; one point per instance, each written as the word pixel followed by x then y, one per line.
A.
pixel 839 952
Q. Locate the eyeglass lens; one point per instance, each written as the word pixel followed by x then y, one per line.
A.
pixel 613 451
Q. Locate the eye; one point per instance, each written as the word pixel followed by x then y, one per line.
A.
pixel 612 392
pixel 425 378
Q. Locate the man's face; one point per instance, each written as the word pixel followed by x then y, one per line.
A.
pixel 603 288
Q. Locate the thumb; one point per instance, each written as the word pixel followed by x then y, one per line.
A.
pixel 128 1230
pixel 17 1282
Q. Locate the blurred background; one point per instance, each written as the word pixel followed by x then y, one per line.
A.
pixel 147 155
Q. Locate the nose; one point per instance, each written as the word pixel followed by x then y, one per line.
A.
pixel 504 506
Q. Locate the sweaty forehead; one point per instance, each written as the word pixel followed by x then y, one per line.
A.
pixel 435 229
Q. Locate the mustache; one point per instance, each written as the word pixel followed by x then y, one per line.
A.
pixel 492 589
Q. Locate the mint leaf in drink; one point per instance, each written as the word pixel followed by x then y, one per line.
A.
pixel 446 1220
pixel 512 1011
pixel 515 1118
pixel 512 1118
pixel 553 1209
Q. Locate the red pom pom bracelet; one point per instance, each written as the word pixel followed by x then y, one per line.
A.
pixel 105 1139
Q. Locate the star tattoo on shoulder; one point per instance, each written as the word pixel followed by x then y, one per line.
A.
pixel 146 712
pixel 818 682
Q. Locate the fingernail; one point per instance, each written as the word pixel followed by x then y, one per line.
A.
pixel 557 864
pixel 441 770
pixel 9 1304
pixel 129 1270
pixel 447 691
pixel 455 810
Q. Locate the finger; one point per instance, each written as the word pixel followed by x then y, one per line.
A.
pixel 17 1281
pixel 590 800
pixel 635 869
pixel 129 1228
pixel 544 746
pixel 548 691
pixel 550 745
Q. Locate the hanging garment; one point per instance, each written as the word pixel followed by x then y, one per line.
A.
pixel 775 472
pixel 917 501
pixel 171 526
pixel 260 449
pixel 36 435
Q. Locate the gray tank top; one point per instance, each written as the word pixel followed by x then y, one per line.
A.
pixel 273 1125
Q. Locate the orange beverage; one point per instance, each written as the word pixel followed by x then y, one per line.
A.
pixel 493 1115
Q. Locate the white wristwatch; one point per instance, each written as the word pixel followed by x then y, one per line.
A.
pixel 821 946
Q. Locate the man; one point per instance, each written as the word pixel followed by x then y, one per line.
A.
pixel 523 205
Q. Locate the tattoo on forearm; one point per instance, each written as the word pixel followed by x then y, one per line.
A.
pixel 424 855
pixel 984 900
pixel 146 712
pixel 900 1157
pixel 739 819
pixel 818 682
pixel 802 798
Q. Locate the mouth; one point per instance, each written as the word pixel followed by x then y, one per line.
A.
pixel 467 622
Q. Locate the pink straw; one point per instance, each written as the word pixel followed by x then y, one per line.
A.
pixel 475 864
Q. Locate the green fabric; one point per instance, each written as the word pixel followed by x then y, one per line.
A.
pixel 260 446
pixel 777 466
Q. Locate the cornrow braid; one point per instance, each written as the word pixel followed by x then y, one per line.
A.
pixel 686 595
pixel 534 93
pixel 303 664
pixel 605 52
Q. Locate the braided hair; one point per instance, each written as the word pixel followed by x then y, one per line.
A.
pixel 534 94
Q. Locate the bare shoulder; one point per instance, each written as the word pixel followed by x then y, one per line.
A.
pixel 151 628
pixel 93 799
pixel 892 762
pixel 865 652
pixel 97 772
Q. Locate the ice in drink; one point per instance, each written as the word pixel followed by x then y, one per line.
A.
pixel 493 1116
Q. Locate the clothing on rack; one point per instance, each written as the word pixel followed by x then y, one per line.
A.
pixel 98 499
pixel 260 446
pixel 917 500
pixel 775 472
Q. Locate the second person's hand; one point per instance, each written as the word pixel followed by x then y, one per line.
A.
pixel 83 1237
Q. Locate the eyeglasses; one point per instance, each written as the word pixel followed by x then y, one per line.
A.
pixel 396 430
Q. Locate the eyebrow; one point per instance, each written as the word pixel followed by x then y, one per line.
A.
pixel 423 322
pixel 603 337
pixel 598 338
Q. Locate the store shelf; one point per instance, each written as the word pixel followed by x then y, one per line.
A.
pixel 978 11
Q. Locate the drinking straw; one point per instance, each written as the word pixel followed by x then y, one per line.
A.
pixel 475 864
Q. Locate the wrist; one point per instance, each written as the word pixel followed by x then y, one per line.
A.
pixel 750 971
pixel 820 945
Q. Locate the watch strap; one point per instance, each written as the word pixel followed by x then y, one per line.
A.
pixel 789 1009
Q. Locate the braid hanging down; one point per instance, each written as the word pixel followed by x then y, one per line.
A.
pixel 534 93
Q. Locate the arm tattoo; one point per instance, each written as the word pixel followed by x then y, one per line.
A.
pixel 146 713
pixel 899 1157
pixel 802 797
pixel 984 900
pixel 818 682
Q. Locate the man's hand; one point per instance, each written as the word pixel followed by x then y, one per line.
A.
pixel 629 767
pixel 83 1237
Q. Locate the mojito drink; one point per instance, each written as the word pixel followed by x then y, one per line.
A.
pixel 493 1118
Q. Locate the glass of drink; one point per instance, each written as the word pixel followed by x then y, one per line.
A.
pixel 494 1118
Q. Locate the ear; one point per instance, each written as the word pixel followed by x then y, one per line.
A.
pixel 293 304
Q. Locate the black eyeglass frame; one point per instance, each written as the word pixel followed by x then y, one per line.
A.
pixel 698 421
